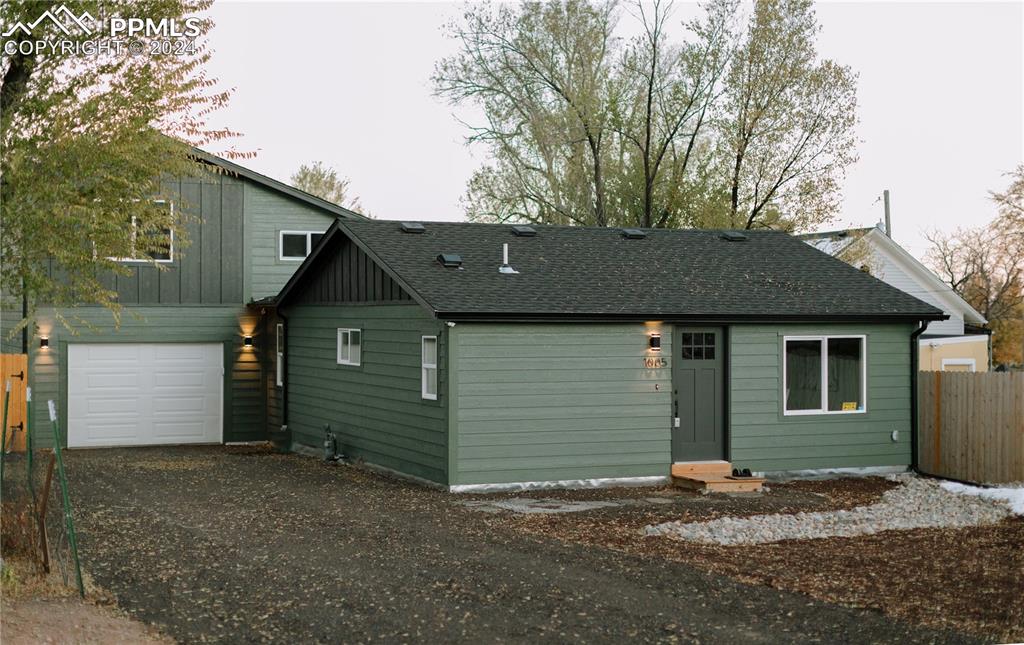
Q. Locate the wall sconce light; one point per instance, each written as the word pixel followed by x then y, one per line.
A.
pixel 247 342
pixel 44 342
pixel 655 342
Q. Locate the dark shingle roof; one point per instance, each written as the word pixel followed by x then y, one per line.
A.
pixel 583 271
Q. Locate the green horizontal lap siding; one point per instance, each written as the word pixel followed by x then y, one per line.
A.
pixel 268 213
pixel 555 402
pixel 376 408
pixel 243 393
pixel 762 438
pixel 10 316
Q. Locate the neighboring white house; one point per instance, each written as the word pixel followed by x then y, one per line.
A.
pixel 947 345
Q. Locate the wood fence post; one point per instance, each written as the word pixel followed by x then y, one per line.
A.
pixel 938 423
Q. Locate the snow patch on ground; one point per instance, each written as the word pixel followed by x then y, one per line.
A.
pixel 1012 495
pixel 529 506
pixel 918 503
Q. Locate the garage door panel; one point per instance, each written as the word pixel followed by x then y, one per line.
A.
pixel 144 394
pixel 98 407
pixel 188 380
pixel 99 380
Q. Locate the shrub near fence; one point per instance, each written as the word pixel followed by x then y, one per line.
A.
pixel 971 426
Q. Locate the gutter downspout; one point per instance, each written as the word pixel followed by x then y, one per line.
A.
pixel 915 358
pixel 284 383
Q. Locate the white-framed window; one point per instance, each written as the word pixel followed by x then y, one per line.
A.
pixel 428 373
pixel 959 365
pixel 349 346
pixel 824 374
pixel 296 245
pixel 280 354
pixel 162 251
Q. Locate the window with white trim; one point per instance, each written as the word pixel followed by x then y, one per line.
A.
pixel 349 346
pixel 824 374
pixel 280 354
pixel 296 245
pixel 959 365
pixel 429 368
pixel 157 244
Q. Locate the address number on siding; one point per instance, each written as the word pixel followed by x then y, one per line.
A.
pixel 654 362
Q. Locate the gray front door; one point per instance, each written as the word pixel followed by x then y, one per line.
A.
pixel 698 380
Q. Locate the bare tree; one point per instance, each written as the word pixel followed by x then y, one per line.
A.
pixel 986 267
pixel 787 128
pixel 323 181
pixel 716 130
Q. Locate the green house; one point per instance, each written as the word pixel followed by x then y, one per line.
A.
pixel 480 356
pixel 185 365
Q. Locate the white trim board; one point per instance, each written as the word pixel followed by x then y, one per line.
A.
pixel 952 340
pixel 968 362
pixel 607 482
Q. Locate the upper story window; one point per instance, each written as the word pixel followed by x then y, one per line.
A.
pixel 824 374
pixel 296 245
pixel 149 242
pixel 350 347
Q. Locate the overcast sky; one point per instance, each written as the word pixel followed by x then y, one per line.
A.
pixel 941 96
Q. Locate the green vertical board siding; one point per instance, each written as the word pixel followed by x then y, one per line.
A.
pixel 243 394
pixel 557 402
pixel 762 438
pixel 268 213
pixel 208 270
pixel 376 408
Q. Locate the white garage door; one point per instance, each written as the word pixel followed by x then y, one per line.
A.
pixel 144 394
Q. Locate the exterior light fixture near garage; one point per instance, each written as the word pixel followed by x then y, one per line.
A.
pixel 44 342
pixel 247 342
pixel 655 342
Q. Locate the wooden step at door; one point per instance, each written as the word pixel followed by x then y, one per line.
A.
pixel 687 468
pixel 713 477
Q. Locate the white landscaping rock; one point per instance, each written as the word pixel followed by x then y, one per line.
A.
pixel 918 503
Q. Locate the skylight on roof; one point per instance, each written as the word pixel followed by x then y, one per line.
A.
pixel 633 234
pixel 412 227
pixel 524 231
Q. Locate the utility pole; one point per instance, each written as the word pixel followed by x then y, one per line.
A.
pixel 888 220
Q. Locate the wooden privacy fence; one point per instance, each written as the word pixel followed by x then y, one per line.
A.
pixel 971 426
pixel 14 369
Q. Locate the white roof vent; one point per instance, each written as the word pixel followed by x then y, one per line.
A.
pixel 505 266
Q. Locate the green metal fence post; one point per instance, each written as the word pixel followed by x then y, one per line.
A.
pixel 28 446
pixel 69 522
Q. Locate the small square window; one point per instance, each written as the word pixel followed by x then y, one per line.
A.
pixel 349 347
pixel 687 339
pixel 296 245
pixel 698 353
pixel 709 339
pixel 709 353
pixel 686 353
pixel 293 245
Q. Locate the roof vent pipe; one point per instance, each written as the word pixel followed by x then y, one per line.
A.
pixel 505 266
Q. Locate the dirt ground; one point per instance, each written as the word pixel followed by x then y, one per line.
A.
pixel 42 609
pixel 236 544
pixel 968 579
pixel 70 620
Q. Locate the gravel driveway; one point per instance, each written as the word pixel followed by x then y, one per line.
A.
pixel 239 545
